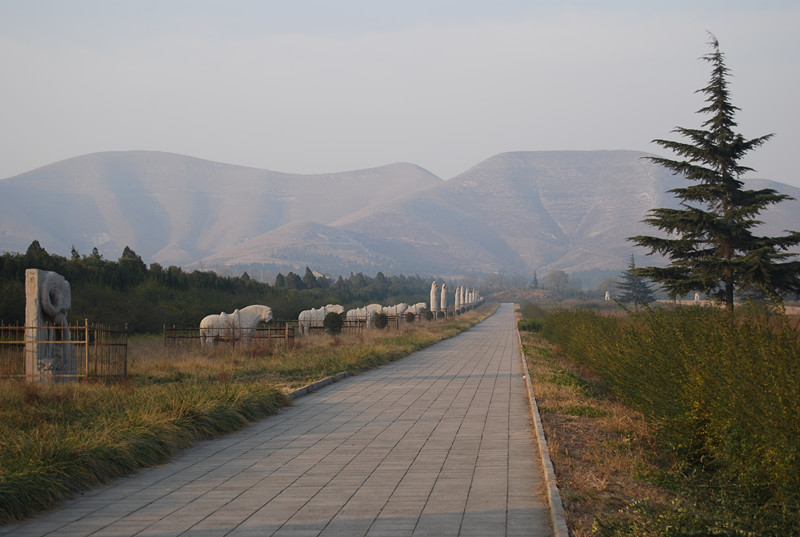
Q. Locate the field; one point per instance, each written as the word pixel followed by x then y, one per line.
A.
pixel 59 439
pixel 672 421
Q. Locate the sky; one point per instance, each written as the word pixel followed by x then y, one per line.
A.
pixel 319 86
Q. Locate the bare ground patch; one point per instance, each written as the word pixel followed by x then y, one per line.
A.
pixel 603 452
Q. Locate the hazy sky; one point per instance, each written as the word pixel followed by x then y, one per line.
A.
pixel 322 86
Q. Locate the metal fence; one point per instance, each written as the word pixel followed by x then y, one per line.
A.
pixel 189 336
pixel 90 351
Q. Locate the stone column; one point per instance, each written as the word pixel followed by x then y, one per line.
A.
pixel 434 297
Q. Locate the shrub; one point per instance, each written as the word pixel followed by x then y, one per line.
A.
pixel 381 320
pixel 409 317
pixel 333 323
pixel 529 325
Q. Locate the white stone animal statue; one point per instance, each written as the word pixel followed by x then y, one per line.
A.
pixel 364 315
pixel 315 317
pixel 396 311
pixel 375 308
pixel 417 309
pixel 237 326
pixel 434 297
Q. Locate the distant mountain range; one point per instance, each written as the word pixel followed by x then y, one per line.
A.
pixel 514 213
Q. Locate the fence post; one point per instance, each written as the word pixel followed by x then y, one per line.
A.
pixel 86 347
pixel 125 361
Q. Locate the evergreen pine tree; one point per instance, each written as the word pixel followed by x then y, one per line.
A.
pixel 634 288
pixel 309 280
pixel 710 241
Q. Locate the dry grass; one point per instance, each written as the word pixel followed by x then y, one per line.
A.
pixel 601 450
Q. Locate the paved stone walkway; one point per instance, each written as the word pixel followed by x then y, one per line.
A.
pixel 436 444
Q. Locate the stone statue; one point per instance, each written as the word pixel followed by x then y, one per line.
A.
pixel 315 317
pixel 48 353
pixel 237 326
pixel 458 298
pixel 434 297
pixel 443 303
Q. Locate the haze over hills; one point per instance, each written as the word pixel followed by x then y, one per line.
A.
pixel 514 213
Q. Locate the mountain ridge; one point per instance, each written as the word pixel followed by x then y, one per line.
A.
pixel 513 213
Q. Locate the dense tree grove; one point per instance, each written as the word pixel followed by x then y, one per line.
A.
pixel 146 298
pixel 710 241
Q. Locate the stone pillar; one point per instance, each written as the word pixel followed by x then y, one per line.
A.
pixel 48 353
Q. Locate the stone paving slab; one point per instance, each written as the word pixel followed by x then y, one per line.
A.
pixel 436 444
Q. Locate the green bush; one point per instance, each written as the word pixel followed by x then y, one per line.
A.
pixel 529 325
pixel 381 320
pixel 333 323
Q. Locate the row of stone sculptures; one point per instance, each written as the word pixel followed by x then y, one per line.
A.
pixel 315 317
pixel 463 297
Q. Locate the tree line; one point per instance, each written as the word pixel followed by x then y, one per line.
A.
pixel 127 291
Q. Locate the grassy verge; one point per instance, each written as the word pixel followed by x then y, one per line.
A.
pixel 672 422
pixel 58 439
pixel 604 453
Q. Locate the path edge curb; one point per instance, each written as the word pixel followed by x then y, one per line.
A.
pixel 553 496
pixel 314 386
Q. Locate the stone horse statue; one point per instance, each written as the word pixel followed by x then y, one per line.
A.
pixel 237 326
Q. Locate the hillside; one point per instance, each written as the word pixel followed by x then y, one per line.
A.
pixel 514 213
pixel 175 209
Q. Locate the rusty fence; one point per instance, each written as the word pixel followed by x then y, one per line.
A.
pixel 78 352
pixel 189 336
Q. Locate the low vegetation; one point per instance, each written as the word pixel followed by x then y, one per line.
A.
pixel 58 439
pixel 672 421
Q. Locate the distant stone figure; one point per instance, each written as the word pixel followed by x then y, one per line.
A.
pixel 443 303
pixel 395 311
pixel 608 296
pixel 434 297
pixel 697 297
pixel 237 326
pixel 364 315
pixel 48 299
pixel 457 301
pixel 417 309
pixel 315 317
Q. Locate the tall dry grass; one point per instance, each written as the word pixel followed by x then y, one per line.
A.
pixel 57 439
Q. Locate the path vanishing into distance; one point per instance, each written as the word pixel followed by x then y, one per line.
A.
pixel 439 443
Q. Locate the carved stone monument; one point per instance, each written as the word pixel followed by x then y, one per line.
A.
pixel 48 352
pixel 434 297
